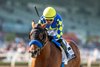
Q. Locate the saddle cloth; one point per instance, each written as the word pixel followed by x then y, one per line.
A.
pixel 70 53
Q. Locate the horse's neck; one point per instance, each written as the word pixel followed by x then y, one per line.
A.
pixel 48 55
pixel 46 50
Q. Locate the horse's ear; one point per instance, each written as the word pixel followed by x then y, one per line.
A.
pixel 33 24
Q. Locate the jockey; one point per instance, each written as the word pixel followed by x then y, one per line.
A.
pixel 54 26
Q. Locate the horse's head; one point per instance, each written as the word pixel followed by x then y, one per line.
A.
pixel 38 36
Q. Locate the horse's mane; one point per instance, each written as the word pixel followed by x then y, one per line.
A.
pixel 38 33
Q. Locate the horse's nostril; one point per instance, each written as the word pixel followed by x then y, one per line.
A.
pixel 35 52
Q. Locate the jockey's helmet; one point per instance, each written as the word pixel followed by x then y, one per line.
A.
pixel 49 13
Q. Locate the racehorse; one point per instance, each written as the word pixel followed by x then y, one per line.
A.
pixel 46 54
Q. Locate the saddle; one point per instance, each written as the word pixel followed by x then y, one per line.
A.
pixel 69 51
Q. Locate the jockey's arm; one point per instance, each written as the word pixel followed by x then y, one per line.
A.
pixel 41 20
pixel 59 30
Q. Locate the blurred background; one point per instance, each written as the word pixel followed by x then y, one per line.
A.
pixel 81 19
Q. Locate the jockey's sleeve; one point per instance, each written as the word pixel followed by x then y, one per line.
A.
pixel 59 29
pixel 41 20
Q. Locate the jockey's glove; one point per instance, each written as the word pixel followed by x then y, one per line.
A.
pixel 50 37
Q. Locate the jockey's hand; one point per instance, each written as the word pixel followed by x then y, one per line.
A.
pixel 50 37
pixel 43 25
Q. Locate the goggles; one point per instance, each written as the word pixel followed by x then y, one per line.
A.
pixel 49 19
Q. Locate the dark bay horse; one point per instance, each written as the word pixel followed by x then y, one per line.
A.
pixel 48 55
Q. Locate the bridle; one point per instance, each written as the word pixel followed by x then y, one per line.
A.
pixel 41 35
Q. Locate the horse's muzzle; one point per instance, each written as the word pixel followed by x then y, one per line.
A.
pixel 35 53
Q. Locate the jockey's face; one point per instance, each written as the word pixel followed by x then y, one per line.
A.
pixel 49 21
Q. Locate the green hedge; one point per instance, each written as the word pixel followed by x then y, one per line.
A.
pixel 17 63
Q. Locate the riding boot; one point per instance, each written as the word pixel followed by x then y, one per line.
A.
pixel 63 45
pixel 64 51
pixel 68 50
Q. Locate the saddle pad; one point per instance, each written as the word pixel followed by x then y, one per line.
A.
pixel 67 57
pixel 70 54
